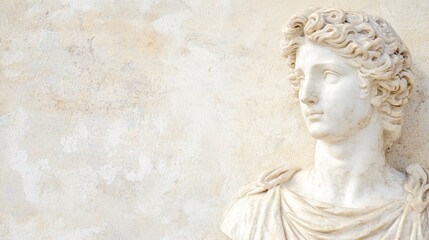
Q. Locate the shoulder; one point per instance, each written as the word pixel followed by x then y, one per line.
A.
pixel 268 180
pixel 417 187
pixel 255 212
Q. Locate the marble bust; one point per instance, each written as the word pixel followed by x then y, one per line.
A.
pixel 352 76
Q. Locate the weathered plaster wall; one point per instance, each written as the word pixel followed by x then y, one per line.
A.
pixel 141 119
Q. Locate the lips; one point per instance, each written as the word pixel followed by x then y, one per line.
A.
pixel 314 116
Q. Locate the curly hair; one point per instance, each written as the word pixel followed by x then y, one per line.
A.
pixel 369 44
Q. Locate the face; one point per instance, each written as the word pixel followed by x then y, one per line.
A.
pixel 331 99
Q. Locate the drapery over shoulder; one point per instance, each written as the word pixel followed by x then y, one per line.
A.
pixel 265 209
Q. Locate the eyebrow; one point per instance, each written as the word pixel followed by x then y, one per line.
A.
pixel 329 65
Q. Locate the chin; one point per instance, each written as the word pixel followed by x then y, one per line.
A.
pixel 327 133
pixel 320 132
pixel 319 135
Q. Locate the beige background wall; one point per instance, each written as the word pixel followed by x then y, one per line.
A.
pixel 141 119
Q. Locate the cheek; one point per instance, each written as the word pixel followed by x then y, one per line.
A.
pixel 342 110
pixel 343 98
pixel 353 113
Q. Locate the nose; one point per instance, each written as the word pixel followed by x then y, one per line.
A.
pixel 308 92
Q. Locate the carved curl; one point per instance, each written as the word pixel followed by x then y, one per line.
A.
pixel 369 44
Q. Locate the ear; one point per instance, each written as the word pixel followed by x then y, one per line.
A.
pixel 379 94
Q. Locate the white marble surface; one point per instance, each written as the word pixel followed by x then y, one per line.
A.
pixel 349 168
pixel 352 76
pixel 141 119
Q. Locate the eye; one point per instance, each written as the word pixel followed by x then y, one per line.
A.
pixel 331 76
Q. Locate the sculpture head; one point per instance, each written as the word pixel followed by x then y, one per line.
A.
pixel 366 43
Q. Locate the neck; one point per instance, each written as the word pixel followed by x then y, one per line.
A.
pixel 353 167
pixel 359 154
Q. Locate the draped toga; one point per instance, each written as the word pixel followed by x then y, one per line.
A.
pixel 267 210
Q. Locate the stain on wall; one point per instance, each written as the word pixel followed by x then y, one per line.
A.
pixel 141 119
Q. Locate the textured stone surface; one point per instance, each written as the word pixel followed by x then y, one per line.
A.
pixel 141 119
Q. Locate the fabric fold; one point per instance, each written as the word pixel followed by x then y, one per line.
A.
pixel 266 209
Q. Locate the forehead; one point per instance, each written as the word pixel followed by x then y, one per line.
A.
pixel 310 55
